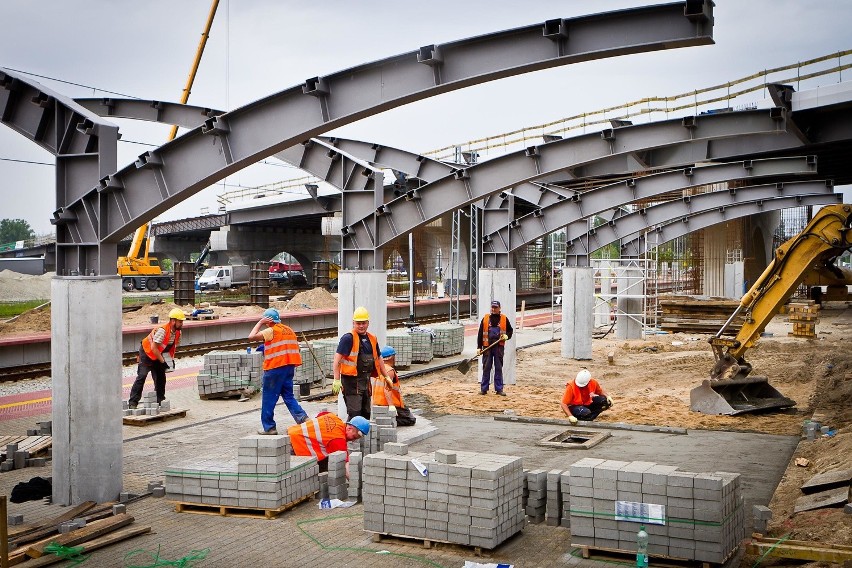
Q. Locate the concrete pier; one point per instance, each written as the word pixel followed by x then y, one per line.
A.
pixel 578 301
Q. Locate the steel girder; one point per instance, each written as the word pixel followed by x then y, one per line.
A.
pixel 227 143
pixel 545 220
pixel 207 222
pixel 422 205
pixel 582 240
pixel 635 247
pixel 85 147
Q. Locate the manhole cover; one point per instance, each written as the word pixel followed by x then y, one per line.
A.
pixel 575 438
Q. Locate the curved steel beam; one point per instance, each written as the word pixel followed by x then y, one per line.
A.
pixel 86 150
pixel 635 247
pixel 229 142
pixel 545 220
pixel 420 206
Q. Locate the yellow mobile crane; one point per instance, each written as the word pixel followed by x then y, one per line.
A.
pixel 144 272
pixel 808 257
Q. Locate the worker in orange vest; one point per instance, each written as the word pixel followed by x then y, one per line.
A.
pixel 356 360
pixel 495 328
pixel 281 356
pixel 388 393
pixel 584 398
pixel 325 434
pixel 161 339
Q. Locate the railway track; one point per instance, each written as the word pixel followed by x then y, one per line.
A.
pixel 21 372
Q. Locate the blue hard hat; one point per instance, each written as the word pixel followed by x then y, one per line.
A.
pixel 272 314
pixel 388 351
pixel 361 423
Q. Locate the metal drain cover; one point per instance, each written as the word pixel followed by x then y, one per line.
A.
pixel 575 438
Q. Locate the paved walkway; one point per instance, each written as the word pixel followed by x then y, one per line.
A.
pixel 307 536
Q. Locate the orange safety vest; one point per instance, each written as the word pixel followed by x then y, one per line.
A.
pixel 310 438
pixel 148 344
pixel 581 396
pixel 385 395
pixel 282 350
pixel 349 363
pixel 486 322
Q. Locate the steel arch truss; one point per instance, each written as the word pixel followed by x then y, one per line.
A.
pixel 568 212
pixel 636 246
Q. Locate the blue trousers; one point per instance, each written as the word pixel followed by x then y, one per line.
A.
pixel 278 382
pixel 492 358
pixel 589 413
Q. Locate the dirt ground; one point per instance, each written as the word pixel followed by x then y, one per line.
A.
pixel 650 382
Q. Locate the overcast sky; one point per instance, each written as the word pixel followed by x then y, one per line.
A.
pixel 259 47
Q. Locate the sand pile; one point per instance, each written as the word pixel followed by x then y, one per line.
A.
pixel 17 287
pixel 316 299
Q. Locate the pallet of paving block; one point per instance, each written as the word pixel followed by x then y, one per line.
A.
pixel 145 419
pixel 427 542
pixel 31 444
pixel 657 559
pixel 245 512
pixel 221 394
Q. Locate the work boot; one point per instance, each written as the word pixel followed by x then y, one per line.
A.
pixel 131 406
pixel 270 432
pixel 501 393
pixel 483 392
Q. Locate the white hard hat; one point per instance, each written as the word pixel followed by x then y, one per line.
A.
pixel 583 378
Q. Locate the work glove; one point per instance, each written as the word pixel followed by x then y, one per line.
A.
pixel 478 352
pixel 609 400
pixel 336 386
pixel 572 419
pixel 388 380
pixel 504 337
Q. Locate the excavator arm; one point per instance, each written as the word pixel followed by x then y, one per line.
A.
pixel 825 238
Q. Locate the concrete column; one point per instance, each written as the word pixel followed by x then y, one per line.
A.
pixel 366 288
pixel 734 280
pixel 86 359
pixel 631 287
pixel 499 284
pixel 578 302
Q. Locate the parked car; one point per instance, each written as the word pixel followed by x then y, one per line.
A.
pixel 289 279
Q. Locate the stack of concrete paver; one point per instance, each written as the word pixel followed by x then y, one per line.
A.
pixel 355 466
pixel 337 488
pixel 692 516
pixel 421 345
pixel 325 349
pixel 308 372
pixel 265 476
pixel 43 429
pixel 148 406
pixel 465 498
pixel 400 340
pixel 553 511
pixel 449 339
pixel 226 371
pixel 385 425
pixel 564 498
pixel 536 495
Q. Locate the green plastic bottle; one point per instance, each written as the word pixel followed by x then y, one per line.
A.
pixel 642 548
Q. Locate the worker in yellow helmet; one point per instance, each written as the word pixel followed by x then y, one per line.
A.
pixel 161 339
pixel 356 360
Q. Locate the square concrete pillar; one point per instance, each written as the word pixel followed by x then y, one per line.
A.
pixel 578 300
pixel 735 280
pixel 368 288
pixel 86 371
pixel 499 284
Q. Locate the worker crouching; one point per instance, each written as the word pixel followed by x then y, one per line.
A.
pixel 388 393
pixel 321 436
pixel 584 398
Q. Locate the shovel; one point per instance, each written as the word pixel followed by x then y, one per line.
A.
pixel 465 365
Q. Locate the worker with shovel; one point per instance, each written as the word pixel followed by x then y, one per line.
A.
pixel 388 393
pixel 281 356
pixel 356 360
pixel 494 331
pixel 161 339
pixel 584 398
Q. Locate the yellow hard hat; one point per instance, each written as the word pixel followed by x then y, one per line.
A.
pixel 361 314
pixel 177 314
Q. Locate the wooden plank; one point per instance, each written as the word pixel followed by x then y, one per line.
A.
pixel 220 394
pixel 426 542
pixel 828 480
pixel 244 512
pixel 49 527
pixel 81 535
pixel 144 420
pixel 100 542
pixel 831 498
pixel 812 551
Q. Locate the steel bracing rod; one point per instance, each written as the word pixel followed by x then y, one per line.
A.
pixel 227 143
pixel 678 228
pixel 85 148
pixel 545 220
pixel 422 205
pixel 658 215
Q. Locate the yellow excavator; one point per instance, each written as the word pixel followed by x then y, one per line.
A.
pixel 806 258
pixel 144 272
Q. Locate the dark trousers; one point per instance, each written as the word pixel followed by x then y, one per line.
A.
pixel 157 369
pixel 404 417
pixel 356 395
pixel 599 404
pixel 492 358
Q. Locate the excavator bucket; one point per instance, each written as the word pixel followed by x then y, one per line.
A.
pixel 737 396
